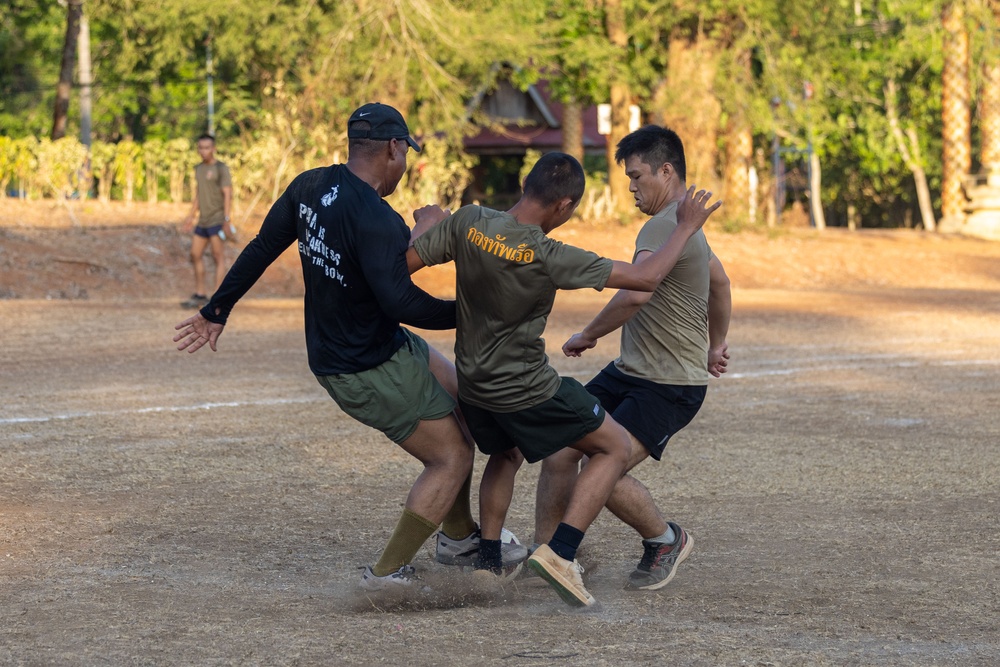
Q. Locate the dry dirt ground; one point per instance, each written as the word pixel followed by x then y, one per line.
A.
pixel 841 482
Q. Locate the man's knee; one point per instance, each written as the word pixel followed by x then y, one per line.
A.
pixel 562 462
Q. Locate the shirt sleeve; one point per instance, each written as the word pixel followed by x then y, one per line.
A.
pixel 225 178
pixel 277 232
pixel 570 267
pixel 382 257
pixel 437 245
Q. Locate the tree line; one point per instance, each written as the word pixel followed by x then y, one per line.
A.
pixel 861 94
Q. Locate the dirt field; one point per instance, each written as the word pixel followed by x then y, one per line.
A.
pixel 213 509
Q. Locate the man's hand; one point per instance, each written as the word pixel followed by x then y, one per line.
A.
pixel 692 211
pixel 718 359
pixel 426 217
pixel 187 225
pixel 577 345
pixel 195 331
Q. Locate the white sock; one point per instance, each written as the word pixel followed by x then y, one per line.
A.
pixel 668 537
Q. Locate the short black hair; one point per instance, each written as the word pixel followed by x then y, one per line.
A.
pixel 655 146
pixel 554 177
pixel 364 147
pixel 206 136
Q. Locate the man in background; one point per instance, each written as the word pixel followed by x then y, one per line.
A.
pixel 210 207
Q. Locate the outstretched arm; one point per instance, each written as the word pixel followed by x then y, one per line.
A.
pixel 692 213
pixel 720 308
pixel 617 312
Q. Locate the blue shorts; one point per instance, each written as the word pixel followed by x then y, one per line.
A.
pixel 208 232
pixel 651 412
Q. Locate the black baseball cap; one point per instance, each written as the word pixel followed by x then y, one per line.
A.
pixel 386 123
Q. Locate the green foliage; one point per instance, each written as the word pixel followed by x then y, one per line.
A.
pixel 287 74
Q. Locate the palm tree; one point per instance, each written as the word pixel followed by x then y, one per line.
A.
pixel 956 158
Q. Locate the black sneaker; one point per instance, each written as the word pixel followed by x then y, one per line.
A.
pixel 197 301
pixel 659 561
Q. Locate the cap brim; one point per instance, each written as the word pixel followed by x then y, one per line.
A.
pixel 413 144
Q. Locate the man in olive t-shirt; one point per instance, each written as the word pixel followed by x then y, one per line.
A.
pixel 515 403
pixel 672 340
pixel 211 205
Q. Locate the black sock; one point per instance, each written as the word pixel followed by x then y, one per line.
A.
pixel 566 541
pixel 489 556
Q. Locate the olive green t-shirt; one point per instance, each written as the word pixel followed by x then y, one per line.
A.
pixel 667 340
pixel 210 179
pixel 507 277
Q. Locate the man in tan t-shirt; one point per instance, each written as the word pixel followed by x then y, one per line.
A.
pixel 211 205
pixel 672 340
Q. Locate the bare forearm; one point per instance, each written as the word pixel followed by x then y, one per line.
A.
pixel 720 308
pixel 617 312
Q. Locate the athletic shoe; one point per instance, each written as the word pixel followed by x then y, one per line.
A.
pixel 404 576
pixel 659 561
pixel 196 301
pixel 563 575
pixel 465 552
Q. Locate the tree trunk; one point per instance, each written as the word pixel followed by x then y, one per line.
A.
pixel 617 180
pixel 572 129
pixel 621 99
pixel 956 153
pixel 909 149
pixel 74 11
pixel 815 190
pixel 989 114
pixel 739 153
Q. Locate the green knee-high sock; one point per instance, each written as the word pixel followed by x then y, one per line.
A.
pixel 459 522
pixel 410 533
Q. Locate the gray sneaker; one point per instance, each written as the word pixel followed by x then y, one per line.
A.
pixel 659 561
pixel 465 552
pixel 404 576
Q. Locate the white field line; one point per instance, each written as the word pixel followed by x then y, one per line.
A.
pixel 882 361
pixel 159 408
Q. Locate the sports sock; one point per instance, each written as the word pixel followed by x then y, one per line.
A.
pixel 458 523
pixel 410 533
pixel 566 541
pixel 489 556
pixel 668 537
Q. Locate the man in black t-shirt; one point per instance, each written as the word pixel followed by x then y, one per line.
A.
pixel 352 246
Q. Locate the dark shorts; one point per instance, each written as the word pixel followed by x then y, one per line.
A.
pixel 537 431
pixel 208 232
pixel 651 412
pixel 395 396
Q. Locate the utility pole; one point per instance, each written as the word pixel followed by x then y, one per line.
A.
pixel 83 55
pixel 211 88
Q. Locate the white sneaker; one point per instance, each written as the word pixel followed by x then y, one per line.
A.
pixel 465 551
pixel 404 576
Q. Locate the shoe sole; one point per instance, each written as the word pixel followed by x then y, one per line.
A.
pixel 657 585
pixel 559 583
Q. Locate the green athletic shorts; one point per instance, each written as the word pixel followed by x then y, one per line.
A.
pixel 394 396
pixel 538 431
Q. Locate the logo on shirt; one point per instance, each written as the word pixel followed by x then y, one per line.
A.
pixel 520 254
pixel 330 196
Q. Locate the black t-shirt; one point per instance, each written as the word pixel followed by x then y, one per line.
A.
pixel 357 288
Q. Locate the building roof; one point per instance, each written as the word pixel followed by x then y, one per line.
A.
pixel 525 119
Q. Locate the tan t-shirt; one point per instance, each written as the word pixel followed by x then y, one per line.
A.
pixel 210 179
pixel 667 340
pixel 507 277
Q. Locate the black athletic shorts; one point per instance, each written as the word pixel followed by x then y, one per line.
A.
pixel 538 431
pixel 651 412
